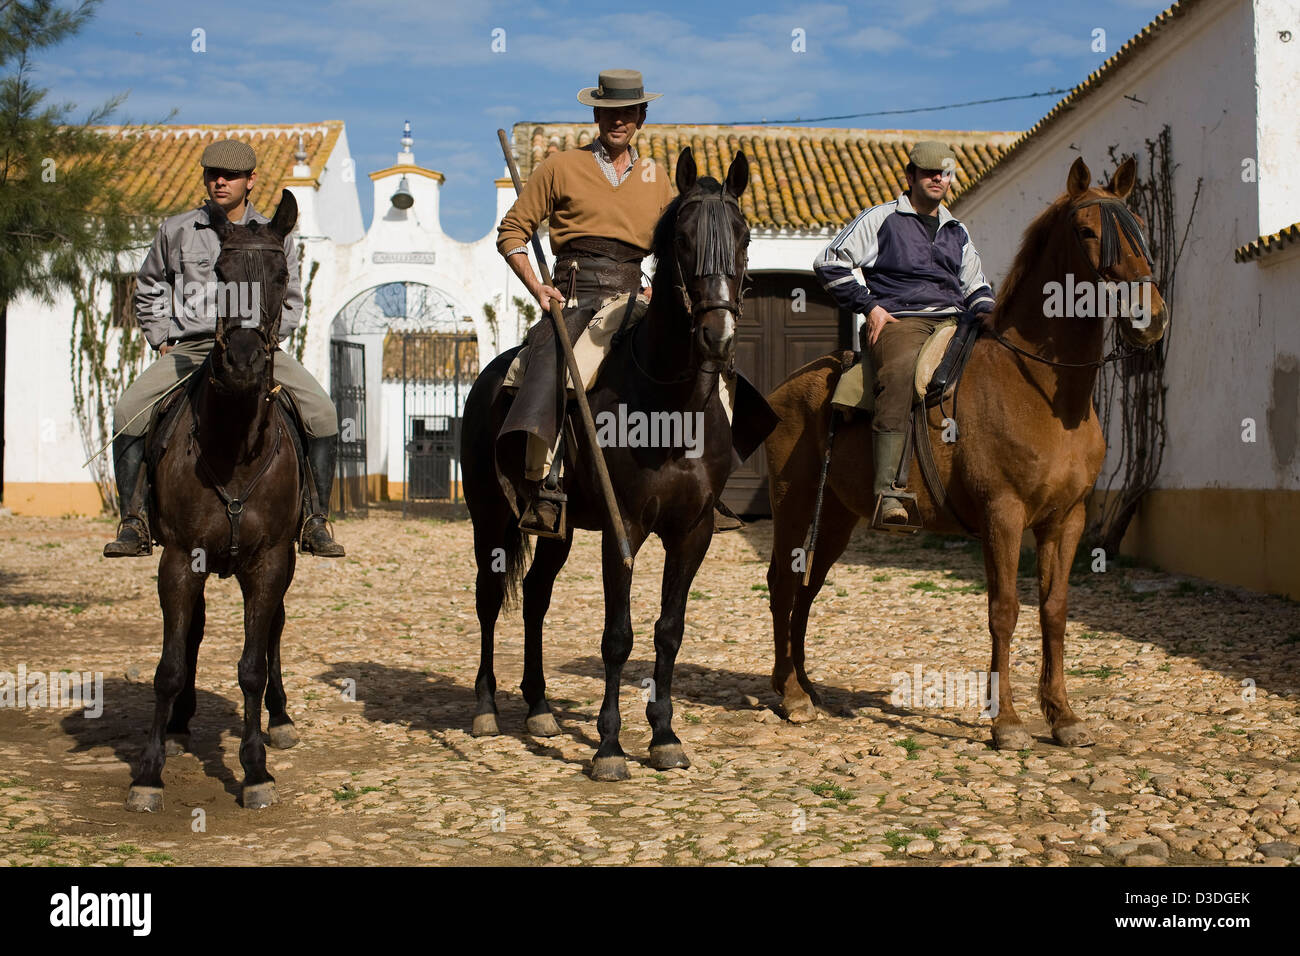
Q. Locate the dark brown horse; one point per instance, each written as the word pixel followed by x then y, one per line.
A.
pixel 1028 453
pixel 227 499
pixel 669 364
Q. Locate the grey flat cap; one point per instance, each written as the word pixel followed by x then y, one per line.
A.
pixel 617 88
pixel 932 154
pixel 229 154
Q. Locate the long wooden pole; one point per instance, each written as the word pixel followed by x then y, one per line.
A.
pixel 584 408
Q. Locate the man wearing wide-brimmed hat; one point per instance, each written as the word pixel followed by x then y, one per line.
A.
pixel 920 269
pixel 176 304
pixel 602 202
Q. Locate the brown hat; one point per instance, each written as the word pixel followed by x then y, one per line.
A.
pixel 617 88
pixel 932 154
pixel 229 154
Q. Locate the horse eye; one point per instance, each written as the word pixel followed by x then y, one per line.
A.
pixel 1087 233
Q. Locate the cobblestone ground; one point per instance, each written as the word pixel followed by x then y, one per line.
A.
pixel 1191 766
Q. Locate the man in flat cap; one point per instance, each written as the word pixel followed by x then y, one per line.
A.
pixel 602 202
pixel 176 305
pixel 920 269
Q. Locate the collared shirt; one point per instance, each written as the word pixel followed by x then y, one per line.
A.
pixel 606 162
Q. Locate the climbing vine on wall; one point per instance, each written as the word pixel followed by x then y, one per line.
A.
pixel 296 343
pixel 108 351
pixel 1130 393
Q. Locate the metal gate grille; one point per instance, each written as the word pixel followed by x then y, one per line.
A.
pixel 436 370
pixel 348 389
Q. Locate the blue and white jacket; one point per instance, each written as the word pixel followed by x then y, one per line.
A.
pixel 905 273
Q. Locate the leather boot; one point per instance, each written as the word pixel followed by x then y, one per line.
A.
pixel 541 514
pixel 133 538
pixel 954 357
pixel 724 519
pixel 887 452
pixel 316 537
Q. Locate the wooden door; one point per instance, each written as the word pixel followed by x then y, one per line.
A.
pixel 774 338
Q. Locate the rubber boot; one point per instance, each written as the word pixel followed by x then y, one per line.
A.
pixel 133 539
pixel 322 453
pixel 967 328
pixel 887 453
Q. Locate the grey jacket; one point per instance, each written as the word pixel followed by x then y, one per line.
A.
pixel 175 291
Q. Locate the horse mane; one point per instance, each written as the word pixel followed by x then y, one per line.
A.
pixel 714 241
pixel 1036 240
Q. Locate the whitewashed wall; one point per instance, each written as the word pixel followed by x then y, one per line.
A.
pixel 1232 325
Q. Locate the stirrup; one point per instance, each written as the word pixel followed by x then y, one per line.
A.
pixel 530 522
pixel 908 501
pixel 143 532
pixel 329 530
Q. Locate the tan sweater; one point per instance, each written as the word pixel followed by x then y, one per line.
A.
pixel 569 190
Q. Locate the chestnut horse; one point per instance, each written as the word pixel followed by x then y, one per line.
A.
pixel 668 364
pixel 227 498
pixel 1028 453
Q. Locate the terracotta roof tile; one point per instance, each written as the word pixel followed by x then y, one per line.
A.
pixel 1267 245
pixel 802 178
pixel 164 165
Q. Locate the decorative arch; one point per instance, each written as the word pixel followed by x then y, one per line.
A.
pixel 400 307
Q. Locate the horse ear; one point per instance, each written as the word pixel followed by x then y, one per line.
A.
pixel 738 175
pixel 1121 184
pixel 286 216
pixel 1080 178
pixel 686 172
pixel 218 220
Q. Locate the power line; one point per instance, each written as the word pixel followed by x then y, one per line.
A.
pixel 918 109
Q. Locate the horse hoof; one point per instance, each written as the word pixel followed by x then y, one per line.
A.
pixel 609 769
pixel 668 757
pixel 1073 735
pixel 144 799
pixel 485 725
pixel 542 725
pixel 259 796
pixel 177 744
pixel 1012 737
pixel 282 736
pixel 805 711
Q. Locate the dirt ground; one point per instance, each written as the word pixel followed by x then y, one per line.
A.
pixel 1190 689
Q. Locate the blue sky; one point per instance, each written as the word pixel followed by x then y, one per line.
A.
pixel 374 64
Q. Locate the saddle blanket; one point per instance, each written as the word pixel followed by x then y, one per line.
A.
pixel 856 388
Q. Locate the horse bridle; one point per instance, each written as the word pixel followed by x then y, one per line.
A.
pixel 1115 217
pixel 696 309
pixel 255 268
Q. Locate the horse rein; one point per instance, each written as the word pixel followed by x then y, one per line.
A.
pixel 1115 216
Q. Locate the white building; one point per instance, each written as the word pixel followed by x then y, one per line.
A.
pixel 412 298
pixel 1224 76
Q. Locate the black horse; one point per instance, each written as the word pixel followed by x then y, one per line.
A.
pixel 227 497
pixel 668 365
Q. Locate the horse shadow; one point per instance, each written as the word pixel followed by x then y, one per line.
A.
pixel 10 596
pixel 124 726
pixel 725 689
pixel 435 703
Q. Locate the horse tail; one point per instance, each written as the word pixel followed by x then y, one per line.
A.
pixel 518 552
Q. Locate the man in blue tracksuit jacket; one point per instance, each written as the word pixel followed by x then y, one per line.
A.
pixel 920 268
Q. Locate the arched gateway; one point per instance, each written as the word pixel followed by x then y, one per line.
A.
pixel 404 355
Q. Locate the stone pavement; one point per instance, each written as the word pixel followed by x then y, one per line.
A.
pixel 1190 689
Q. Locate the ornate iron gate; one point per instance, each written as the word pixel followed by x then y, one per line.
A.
pixel 348 389
pixel 436 370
